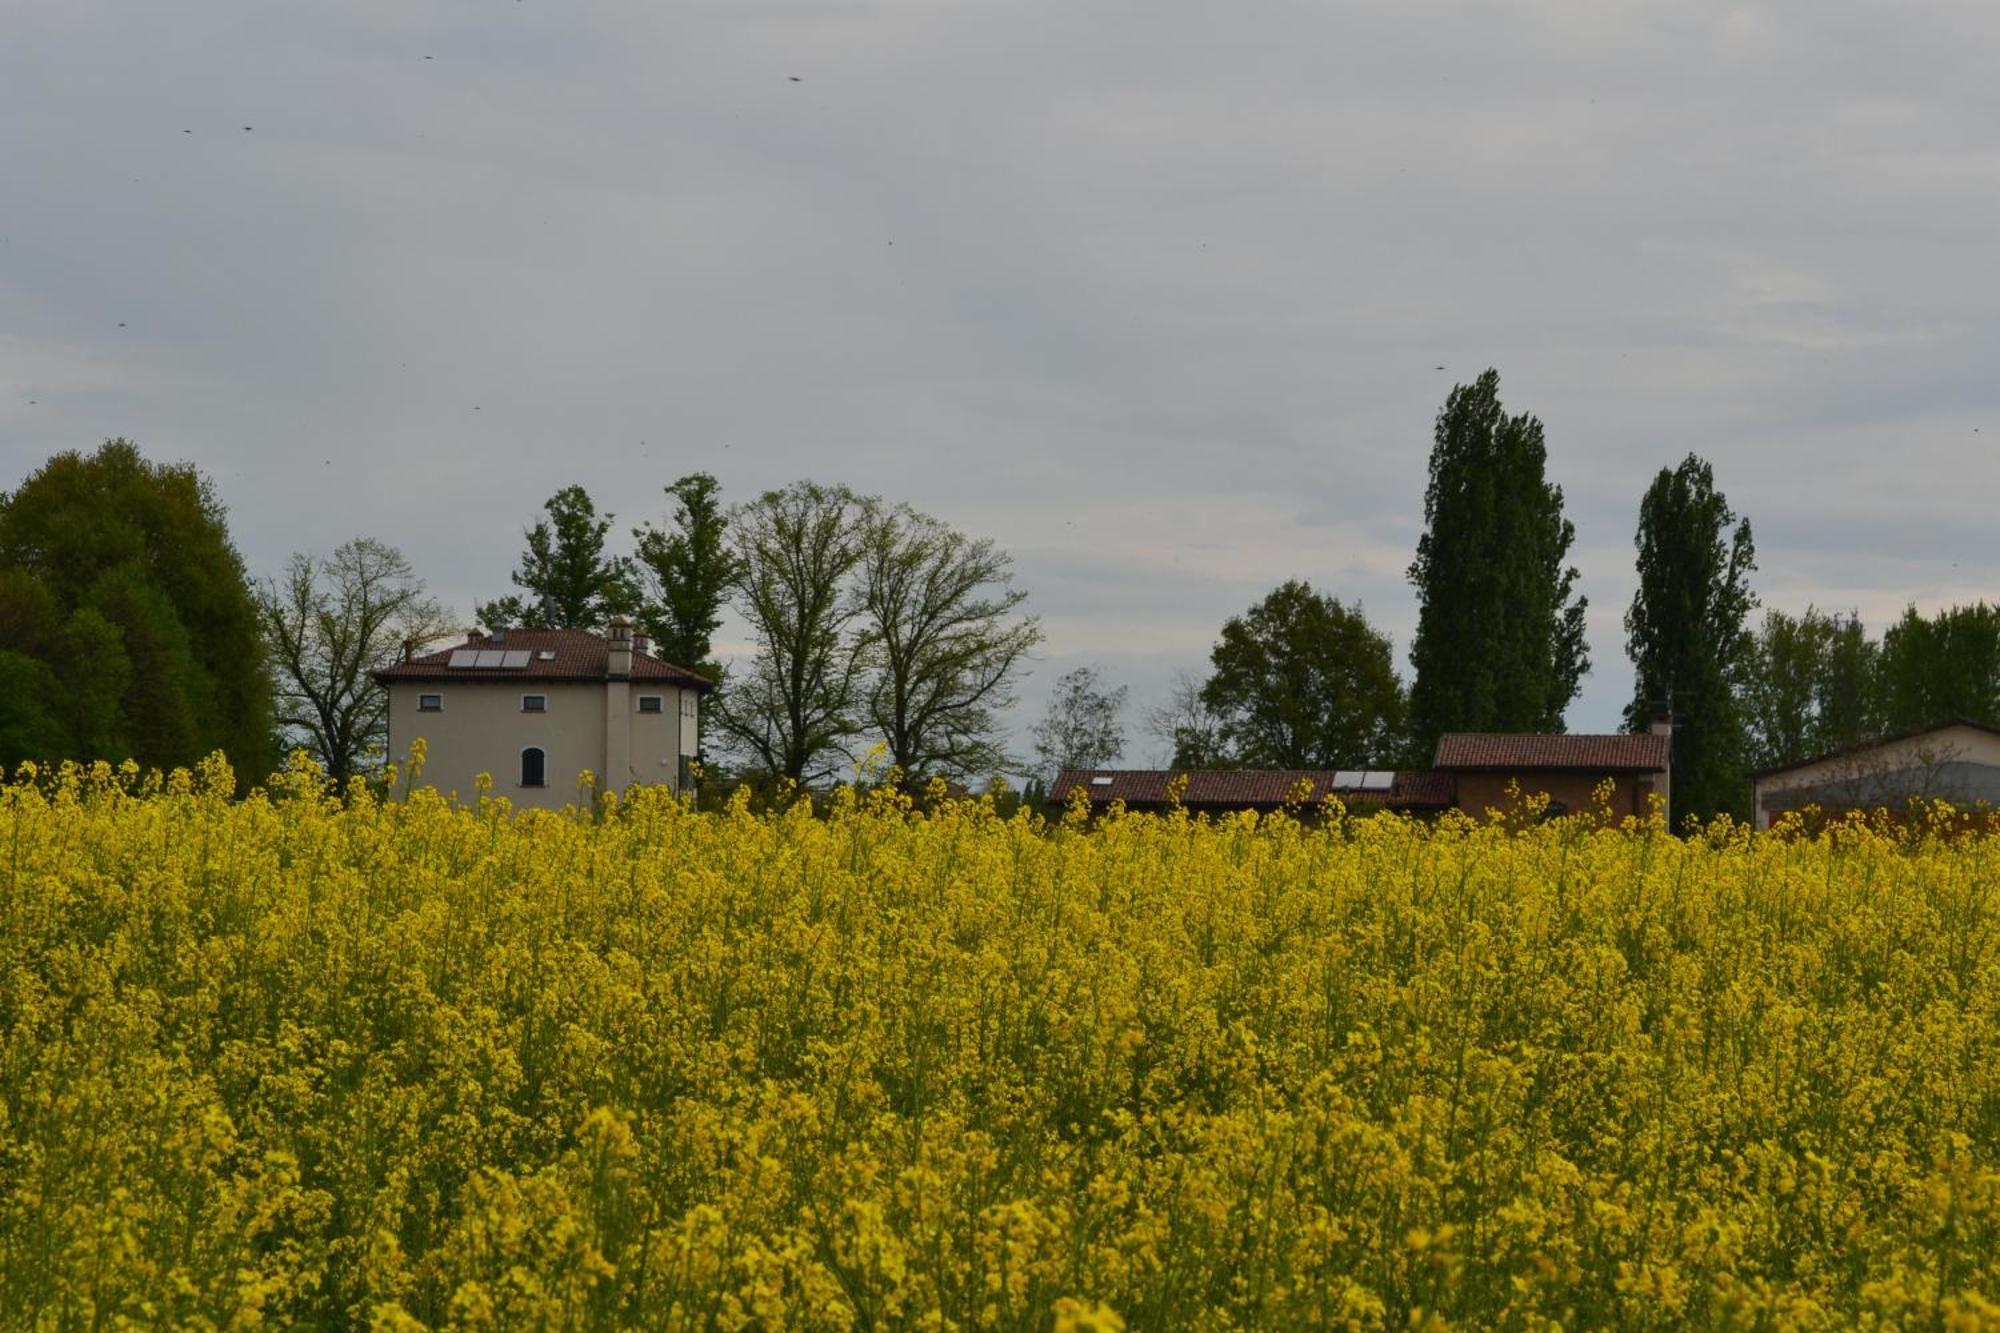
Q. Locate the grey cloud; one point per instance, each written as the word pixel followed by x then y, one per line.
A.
pixel 1152 293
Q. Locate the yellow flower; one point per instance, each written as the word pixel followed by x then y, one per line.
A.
pixel 315 1058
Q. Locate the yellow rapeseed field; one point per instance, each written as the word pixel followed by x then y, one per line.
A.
pixel 291 1061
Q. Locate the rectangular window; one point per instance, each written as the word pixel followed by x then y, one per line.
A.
pixel 687 703
pixel 534 703
pixel 430 703
pixel 649 703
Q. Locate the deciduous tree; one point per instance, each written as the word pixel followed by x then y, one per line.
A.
pixel 1942 666
pixel 145 617
pixel 796 705
pixel 1302 681
pixel 1809 687
pixel 1848 699
pixel 944 640
pixel 1082 727
pixel 1188 730
pixel 330 622
pixel 31 701
pixel 169 699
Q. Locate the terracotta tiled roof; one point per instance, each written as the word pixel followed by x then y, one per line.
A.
pixel 1646 753
pixel 1251 788
pixel 579 655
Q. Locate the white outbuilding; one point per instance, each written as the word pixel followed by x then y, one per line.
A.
pixel 1956 761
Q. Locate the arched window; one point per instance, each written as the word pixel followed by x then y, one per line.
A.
pixel 532 774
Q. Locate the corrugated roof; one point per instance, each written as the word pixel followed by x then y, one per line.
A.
pixel 1642 753
pixel 579 655
pixel 1250 788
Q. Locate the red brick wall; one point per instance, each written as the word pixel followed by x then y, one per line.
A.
pixel 1478 792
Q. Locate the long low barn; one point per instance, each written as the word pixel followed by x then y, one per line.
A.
pixel 1472 771
pixel 1255 789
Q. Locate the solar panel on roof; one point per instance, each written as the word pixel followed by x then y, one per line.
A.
pixel 1375 780
pixel 1347 779
pixel 515 658
pixel 464 657
pixel 490 657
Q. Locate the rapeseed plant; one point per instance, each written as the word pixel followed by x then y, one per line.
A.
pixel 341 1063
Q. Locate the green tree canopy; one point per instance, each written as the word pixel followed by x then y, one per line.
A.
pixel 1687 637
pixel 1810 687
pixel 1499 643
pixel 568 580
pixel 688 570
pixel 31 707
pixel 1302 681
pixel 117 575
pixel 1943 666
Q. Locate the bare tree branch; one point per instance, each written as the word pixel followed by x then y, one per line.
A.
pixel 943 643
pixel 329 623
pixel 793 709
pixel 1189 732
pixel 1081 728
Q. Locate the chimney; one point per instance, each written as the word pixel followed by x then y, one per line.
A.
pixel 1663 725
pixel 409 649
pixel 640 643
pixel 618 665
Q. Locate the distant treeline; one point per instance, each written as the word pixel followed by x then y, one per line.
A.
pixel 129 628
pixel 1817 681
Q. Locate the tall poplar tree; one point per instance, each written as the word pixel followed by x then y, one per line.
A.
pixel 1688 639
pixel 1499 643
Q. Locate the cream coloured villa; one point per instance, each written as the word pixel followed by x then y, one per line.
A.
pixel 538 708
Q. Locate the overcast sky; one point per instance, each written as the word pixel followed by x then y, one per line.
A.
pixel 1161 295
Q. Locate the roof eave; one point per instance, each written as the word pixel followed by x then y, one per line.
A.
pixel 1549 768
pixel 1847 751
pixel 699 684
